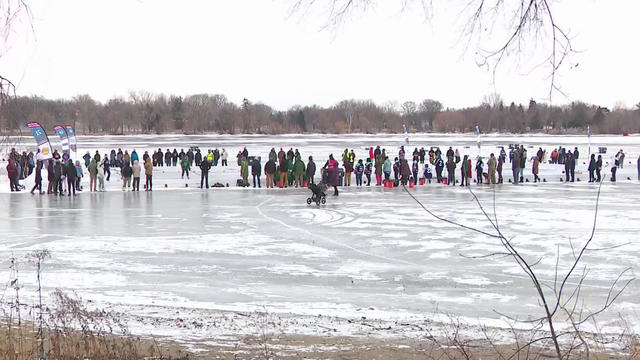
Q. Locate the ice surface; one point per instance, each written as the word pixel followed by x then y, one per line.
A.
pixel 370 252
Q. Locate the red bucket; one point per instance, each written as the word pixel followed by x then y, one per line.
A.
pixel 411 185
pixel 421 181
pixel 445 181
pixel 279 183
pixel 304 184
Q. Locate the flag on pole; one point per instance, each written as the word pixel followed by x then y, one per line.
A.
pixel 64 140
pixel 71 134
pixel 44 146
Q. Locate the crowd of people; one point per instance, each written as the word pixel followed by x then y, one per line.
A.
pixel 289 168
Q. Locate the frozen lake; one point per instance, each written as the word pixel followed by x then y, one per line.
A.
pixel 369 252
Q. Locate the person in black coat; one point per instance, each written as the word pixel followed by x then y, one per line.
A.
pixel 38 184
pixel 174 157
pixel 58 173
pixel 311 170
pixel 592 168
pixel 198 157
pixel 205 165
pixel 70 172
pixel 569 167
pixel 167 158
pixel 50 176
pixel 256 169
pixel 439 167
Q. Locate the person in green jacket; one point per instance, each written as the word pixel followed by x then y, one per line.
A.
pixel 290 176
pixel 93 175
pixel 244 170
pixel 185 164
pixel 298 171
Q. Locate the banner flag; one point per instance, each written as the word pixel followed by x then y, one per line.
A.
pixel 71 133
pixel 42 140
pixel 64 140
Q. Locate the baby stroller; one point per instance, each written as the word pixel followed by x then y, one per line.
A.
pixel 318 194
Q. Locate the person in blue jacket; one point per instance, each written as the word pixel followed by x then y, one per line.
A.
pixel 134 156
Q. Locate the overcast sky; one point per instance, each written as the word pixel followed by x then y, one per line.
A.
pixel 255 49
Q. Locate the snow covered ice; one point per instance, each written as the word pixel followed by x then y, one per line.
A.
pixel 370 252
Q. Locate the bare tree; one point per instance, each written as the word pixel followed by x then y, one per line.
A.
pixel 528 23
pixel 12 12
pixel 561 298
pixel 428 110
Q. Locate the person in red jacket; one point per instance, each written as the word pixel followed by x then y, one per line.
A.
pixel 12 173
pixel 332 173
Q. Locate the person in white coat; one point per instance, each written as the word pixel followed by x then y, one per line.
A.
pixel 223 157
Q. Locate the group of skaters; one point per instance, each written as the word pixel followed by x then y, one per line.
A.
pixel 289 168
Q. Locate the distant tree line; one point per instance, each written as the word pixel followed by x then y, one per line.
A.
pixel 143 113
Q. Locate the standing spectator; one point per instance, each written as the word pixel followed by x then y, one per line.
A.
pixel 126 173
pixel 439 164
pixel 386 168
pixel 244 170
pixel 198 158
pixel 135 171
pixel 405 172
pixel 256 169
pixel 59 172
pixel 479 170
pixel 414 170
pixel 148 172
pixel 331 167
pixel 174 158
pixel 427 173
pixel 451 170
pixel 599 168
pixel 185 164
pixel 569 166
pixel 367 171
pixel 12 174
pixel 464 171
pixel 105 165
pixel 378 166
pixel 224 156
pixel 501 161
pixel 167 158
pixel 284 167
pixel 298 171
pixel 79 176
pixel 100 178
pixel 38 182
pixel 216 156
pixel 492 165
pixel 359 171
pixel 592 168
pixel 205 165
pixel 93 175
pixel 515 165
pixel 535 168
pixel 269 171
pixel 134 156
pixel 87 159
pixel 311 170
pixel 71 177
